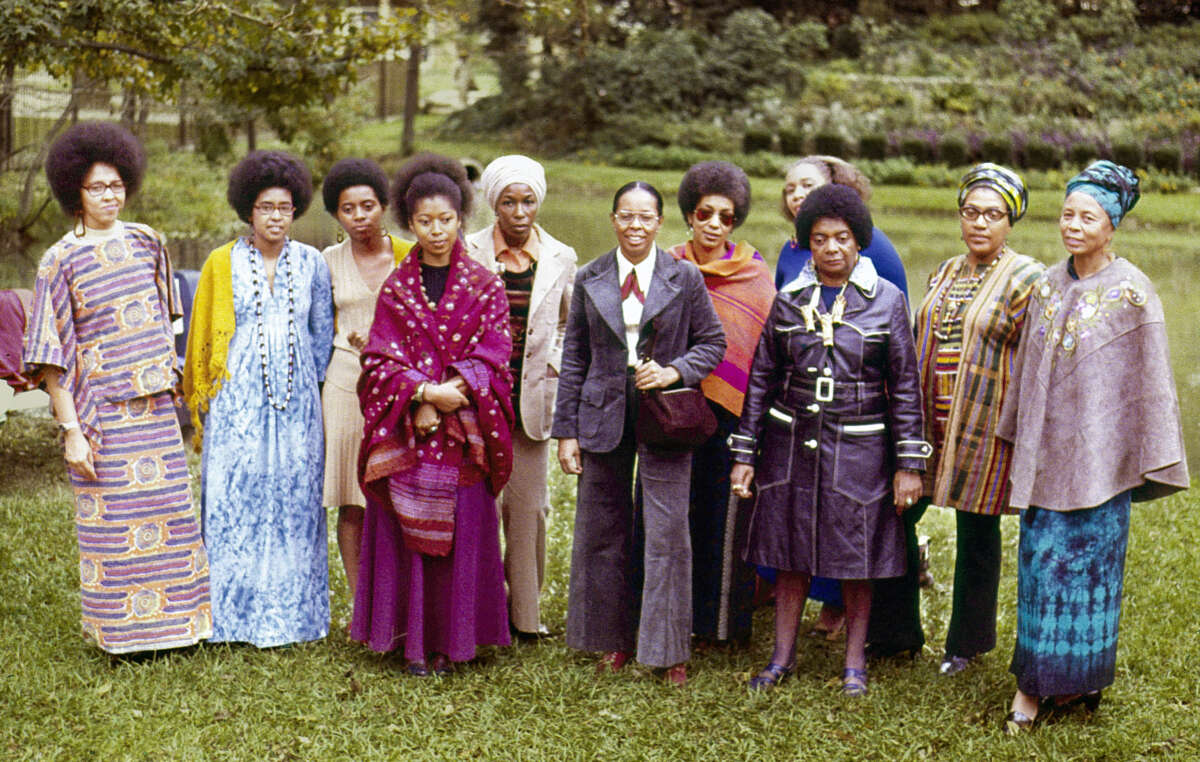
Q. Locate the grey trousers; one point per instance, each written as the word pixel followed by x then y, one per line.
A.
pixel 602 606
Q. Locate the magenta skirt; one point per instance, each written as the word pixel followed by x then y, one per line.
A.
pixel 430 604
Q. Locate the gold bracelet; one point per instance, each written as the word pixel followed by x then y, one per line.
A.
pixel 419 395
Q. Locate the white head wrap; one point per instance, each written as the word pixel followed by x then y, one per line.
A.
pixel 510 169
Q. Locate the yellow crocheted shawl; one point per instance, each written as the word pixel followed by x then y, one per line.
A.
pixel 208 337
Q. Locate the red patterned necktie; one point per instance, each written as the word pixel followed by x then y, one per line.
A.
pixel 630 286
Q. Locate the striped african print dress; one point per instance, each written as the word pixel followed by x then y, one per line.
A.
pixel 102 314
pixel 968 327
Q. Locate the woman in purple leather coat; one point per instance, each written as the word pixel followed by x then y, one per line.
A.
pixel 831 431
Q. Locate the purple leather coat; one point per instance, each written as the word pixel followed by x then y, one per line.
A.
pixel 826 427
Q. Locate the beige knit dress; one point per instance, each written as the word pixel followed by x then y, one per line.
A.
pixel 354 309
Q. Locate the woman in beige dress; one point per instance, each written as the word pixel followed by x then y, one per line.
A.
pixel 355 192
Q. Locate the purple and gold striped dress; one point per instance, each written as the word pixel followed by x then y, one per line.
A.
pixel 102 314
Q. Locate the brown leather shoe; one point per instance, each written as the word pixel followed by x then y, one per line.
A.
pixel 612 661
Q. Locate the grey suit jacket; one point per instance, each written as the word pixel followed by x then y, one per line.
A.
pixel 678 320
pixel 548 306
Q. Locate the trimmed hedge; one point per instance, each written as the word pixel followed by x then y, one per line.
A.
pixel 791 142
pixel 952 151
pixel 997 149
pixel 873 146
pixel 1042 155
pixel 1129 154
pixel 829 144
pixel 753 141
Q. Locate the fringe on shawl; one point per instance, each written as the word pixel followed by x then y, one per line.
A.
pixel 211 330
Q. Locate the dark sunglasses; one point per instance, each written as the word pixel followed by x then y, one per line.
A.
pixel 705 214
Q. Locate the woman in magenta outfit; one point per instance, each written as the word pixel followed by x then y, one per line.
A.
pixel 437 448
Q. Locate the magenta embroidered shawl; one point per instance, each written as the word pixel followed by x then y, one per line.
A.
pixel 465 334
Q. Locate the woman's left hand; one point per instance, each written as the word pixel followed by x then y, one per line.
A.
pixel 651 375
pixel 426 420
pixel 906 487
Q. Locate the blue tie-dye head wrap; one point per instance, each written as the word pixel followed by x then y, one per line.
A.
pixel 1114 187
pixel 1000 179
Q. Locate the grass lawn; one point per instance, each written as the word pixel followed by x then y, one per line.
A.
pixel 61 699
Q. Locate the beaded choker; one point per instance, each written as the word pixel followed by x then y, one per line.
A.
pixel 259 282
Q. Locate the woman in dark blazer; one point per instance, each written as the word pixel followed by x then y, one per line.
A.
pixel 640 319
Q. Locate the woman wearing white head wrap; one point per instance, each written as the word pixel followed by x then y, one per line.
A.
pixel 538 273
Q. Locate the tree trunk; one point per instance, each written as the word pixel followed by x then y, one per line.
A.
pixel 6 114
pixel 251 136
pixel 412 83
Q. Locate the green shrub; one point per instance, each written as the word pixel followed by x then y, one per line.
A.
pixel 953 151
pixel 829 144
pixel 1042 155
pixel 1083 153
pixel 976 28
pixel 1129 154
pixel 873 146
pixel 935 176
pixel 916 149
pixel 791 142
pixel 1166 158
pixel 756 139
pixel 996 148
pixel 659 157
pixel 762 164
pixel 896 171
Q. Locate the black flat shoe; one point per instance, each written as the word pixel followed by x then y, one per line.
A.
pixel 542 633
pixel 891 651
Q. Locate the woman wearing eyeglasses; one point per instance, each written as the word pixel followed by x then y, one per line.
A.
pixel 714 198
pixel 99 336
pixel 640 319
pixel 260 341
pixel 967 329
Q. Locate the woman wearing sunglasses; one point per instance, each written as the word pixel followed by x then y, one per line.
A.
pixel 714 198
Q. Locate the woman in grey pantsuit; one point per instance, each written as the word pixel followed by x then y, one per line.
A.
pixel 639 319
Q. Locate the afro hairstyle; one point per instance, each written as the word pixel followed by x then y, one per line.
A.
pixel 348 173
pixel 75 151
pixel 715 178
pixel 260 170
pixel 836 202
pixel 430 174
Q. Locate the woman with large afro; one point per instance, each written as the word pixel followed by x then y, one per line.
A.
pixel 260 339
pixel 436 394
pixel 99 338
pixel 714 199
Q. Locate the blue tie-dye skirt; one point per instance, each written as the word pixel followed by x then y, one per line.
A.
pixel 1070 575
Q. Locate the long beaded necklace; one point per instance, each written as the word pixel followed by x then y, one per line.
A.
pixel 259 284
pixel 950 308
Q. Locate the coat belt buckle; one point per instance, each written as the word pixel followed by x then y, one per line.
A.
pixel 824 391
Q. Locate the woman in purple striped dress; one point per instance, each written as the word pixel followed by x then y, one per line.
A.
pixel 100 339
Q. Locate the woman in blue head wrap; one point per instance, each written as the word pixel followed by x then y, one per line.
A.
pixel 1093 419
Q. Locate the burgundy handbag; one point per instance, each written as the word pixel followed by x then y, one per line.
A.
pixel 674 419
